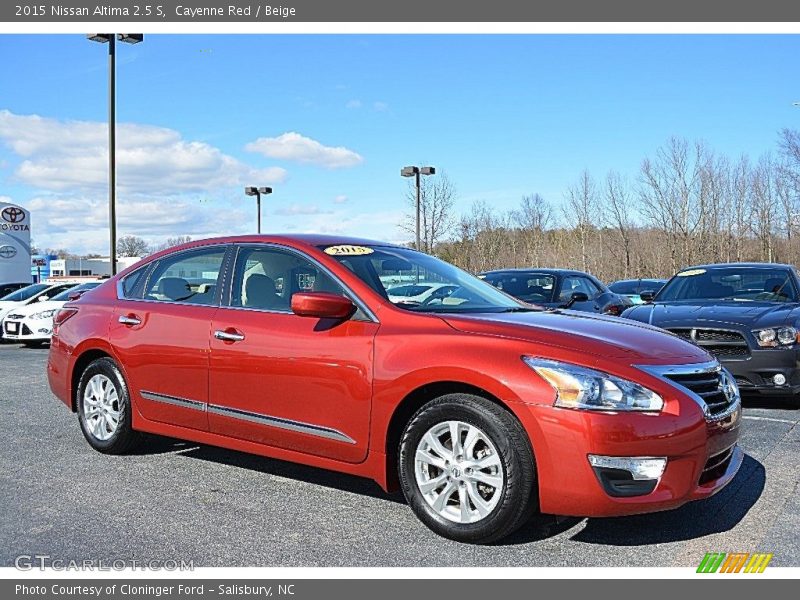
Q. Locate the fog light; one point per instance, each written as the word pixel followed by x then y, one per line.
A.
pixel 627 476
pixel 640 468
pixel 779 379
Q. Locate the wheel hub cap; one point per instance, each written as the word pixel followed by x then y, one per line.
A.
pixel 101 408
pixel 459 472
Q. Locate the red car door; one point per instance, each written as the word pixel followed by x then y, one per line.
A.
pixel 162 336
pixel 283 380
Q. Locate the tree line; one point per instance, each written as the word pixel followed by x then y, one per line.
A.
pixel 687 204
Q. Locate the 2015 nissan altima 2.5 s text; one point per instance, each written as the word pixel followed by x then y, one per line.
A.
pixel 483 409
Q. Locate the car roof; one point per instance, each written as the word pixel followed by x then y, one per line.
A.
pixel 307 239
pixel 638 279
pixel 545 270
pixel 742 265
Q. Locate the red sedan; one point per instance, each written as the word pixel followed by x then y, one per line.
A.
pixel 483 409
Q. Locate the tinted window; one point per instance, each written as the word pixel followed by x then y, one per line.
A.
pixel 130 283
pixel 190 277
pixel 573 283
pixel 731 283
pixel 26 292
pixel 64 296
pixel 265 278
pixel 530 287
pixel 625 287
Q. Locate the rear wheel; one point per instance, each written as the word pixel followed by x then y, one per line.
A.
pixel 104 408
pixel 467 469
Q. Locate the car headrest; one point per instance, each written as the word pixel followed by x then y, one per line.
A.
pixel 174 288
pixel 260 291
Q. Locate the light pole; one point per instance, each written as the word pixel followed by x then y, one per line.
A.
pixel 254 191
pixel 111 40
pixel 416 172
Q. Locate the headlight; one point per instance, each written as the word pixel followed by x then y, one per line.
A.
pixel 45 314
pixel 776 336
pixel 579 387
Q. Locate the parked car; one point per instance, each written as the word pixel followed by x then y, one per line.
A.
pixel 632 288
pixel 558 288
pixel 481 408
pixel 37 292
pixel 8 288
pixel 32 324
pixel 419 293
pixel 745 314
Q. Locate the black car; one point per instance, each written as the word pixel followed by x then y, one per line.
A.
pixel 745 314
pixel 558 288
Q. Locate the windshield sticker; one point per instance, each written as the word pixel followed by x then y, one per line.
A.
pixel 348 250
pixel 691 272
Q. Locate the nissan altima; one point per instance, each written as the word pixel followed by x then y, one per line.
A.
pixel 483 409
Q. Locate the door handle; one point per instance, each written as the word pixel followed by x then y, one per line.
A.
pixel 130 320
pixel 228 335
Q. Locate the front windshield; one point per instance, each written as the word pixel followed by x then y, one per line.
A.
pixel 25 293
pixel 397 272
pixel 64 296
pixel 742 284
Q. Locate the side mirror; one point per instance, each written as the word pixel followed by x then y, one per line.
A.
pixel 647 295
pixel 43 299
pixel 577 297
pixel 322 305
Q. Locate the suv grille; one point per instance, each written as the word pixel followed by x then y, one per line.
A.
pixel 721 343
pixel 706 385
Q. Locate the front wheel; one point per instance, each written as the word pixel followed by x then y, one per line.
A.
pixel 467 469
pixel 104 408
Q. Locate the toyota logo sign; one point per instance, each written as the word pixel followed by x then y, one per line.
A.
pixel 13 214
pixel 8 252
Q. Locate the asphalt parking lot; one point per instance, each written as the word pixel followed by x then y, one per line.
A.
pixel 173 500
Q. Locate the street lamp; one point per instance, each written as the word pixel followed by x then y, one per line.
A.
pixel 254 191
pixel 111 40
pixel 416 172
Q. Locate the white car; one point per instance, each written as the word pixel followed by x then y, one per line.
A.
pixel 31 321
pixel 419 293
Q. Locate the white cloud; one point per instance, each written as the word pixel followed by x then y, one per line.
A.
pixel 72 157
pixel 380 106
pixel 300 209
pixel 340 199
pixel 353 104
pixel 295 147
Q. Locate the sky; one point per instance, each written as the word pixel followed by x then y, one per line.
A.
pixel 329 120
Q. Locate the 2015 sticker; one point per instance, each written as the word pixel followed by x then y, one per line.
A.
pixel 348 250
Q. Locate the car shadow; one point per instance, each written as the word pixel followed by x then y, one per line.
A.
pixel 719 513
pixel 770 402
pixel 269 466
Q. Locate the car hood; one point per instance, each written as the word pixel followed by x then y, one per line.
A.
pixel 610 337
pixel 4 304
pixel 697 314
pixel 36 307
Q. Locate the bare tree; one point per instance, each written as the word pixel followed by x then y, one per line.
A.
pixel 132 245
pixel 764 205
pixel 172 241
pixel 582 210
pixel 437 196
pixel 618 214
pixel 533 217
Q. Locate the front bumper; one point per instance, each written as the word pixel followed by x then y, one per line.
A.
pixel 25 330
pixel 755 374
pixel 702 457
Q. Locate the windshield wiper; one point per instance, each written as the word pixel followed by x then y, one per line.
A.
pixel 521 309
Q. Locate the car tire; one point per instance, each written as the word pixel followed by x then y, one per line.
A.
pixel 104 408
pixel 452 492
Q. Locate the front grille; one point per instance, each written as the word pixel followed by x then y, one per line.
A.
pixel 707 385
pixel 722 343
pixel 716 466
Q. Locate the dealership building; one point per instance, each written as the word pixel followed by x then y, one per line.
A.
pixel 15 244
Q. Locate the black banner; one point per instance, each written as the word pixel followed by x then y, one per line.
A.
pixel 465 11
